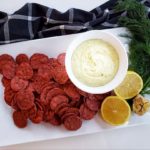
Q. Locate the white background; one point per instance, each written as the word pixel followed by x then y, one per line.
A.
pixel 127 138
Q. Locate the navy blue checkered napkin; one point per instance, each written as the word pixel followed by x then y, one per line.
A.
pixel 34 21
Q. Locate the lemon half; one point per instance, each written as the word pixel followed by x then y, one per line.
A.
pixel 115 110
pixel 130 87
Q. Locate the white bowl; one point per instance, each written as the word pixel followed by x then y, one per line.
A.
pixel 123 61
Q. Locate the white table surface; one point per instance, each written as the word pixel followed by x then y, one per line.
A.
pixel 126 138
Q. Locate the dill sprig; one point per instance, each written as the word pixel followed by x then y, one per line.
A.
pixel 134 9
pixel 138 24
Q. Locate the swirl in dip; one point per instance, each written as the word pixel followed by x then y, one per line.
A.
pixel 95 62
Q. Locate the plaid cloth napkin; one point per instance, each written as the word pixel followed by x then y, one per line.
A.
pixel 34 21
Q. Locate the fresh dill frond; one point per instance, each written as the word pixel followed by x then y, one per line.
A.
pixel 146 89
pixel 138 24
pixel 139 59
pixel 140 29
pixel 134 10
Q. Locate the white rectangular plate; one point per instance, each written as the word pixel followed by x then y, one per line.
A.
pixel 10 134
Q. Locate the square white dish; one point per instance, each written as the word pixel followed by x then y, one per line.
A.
pixel 10 134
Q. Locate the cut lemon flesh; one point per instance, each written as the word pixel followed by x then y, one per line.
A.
pixel 130 87
pixel 115 110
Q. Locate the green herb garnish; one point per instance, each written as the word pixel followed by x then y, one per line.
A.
pixel 138 24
